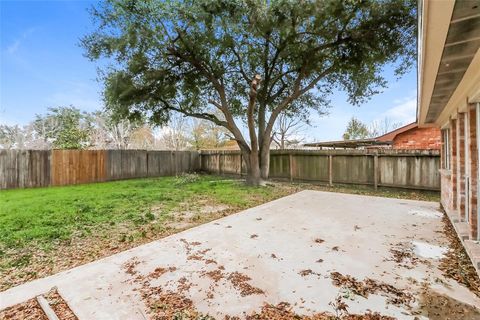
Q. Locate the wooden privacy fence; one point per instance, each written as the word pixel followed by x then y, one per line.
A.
pixel 392 168
pixel 412 169
pixel 41 168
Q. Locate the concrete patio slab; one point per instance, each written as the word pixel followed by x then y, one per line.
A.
pixel 286 250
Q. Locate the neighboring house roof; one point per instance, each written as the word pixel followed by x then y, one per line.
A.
pixel 389 136
pixel 346 143
pixel 383 140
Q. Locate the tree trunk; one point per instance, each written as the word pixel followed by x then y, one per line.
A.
pixel 254 177
pixel 264 163
pixel 253 165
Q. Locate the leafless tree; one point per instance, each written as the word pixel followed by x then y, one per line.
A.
pixel 175 135
pixel 12 137
pixel 142 138
pixel 288 131
pixel 110 133
pixel 381 127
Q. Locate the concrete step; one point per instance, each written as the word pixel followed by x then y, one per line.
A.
pixel 473 250
pixel 453 215
pixel 463 230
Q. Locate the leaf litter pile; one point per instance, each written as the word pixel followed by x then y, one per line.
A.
pixel 31 310
pixel 456 264
pixel 369 286
pixel 404 256
pixel 28 310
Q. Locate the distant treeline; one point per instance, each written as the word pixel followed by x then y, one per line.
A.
pixel 70 128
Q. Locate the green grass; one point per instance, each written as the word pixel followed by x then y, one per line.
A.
pixel 57 213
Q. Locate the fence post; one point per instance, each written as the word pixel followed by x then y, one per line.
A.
pixel 198 165
pixel 375 171
pixel 241 163
pixel 218 163
pixel 330 170
pixel 290 164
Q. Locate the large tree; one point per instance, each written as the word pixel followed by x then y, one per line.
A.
pixel 249 59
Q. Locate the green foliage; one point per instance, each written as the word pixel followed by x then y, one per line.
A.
pixel 185 55
pixel 65 127
pixel 356 130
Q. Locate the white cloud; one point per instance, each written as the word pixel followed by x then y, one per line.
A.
pixel 403 111
pixel 13 48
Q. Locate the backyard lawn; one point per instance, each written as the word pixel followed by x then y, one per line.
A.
pixel 47 230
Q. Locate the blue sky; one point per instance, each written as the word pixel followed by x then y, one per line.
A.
pixel 42 65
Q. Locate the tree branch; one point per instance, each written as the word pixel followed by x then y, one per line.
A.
pixel 251 112
pixel 297 92
pixel 240 63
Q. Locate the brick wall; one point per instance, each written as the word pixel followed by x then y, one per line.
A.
pixel 418 138
pixel 464 163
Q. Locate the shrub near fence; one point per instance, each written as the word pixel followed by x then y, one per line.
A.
pixel 41 168
pixel 412 169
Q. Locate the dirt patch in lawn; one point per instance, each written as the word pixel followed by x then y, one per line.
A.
pixel 194 212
